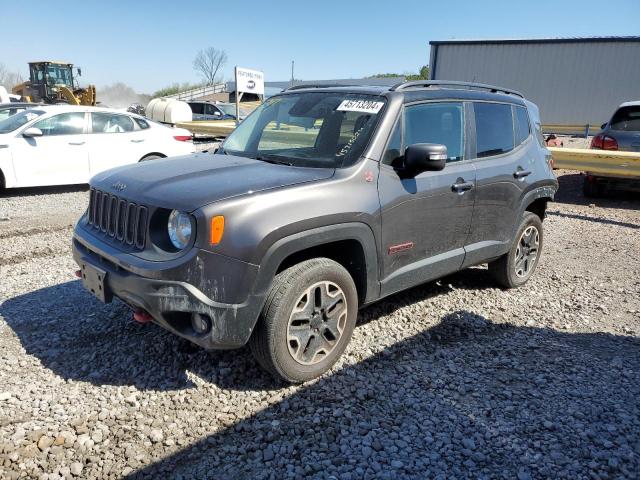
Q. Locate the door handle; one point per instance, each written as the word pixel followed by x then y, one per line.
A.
pixel 521 173
pixel 76 143
pixel 137 140
pixel 461 187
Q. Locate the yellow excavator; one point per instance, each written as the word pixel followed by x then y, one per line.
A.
pixel 53 82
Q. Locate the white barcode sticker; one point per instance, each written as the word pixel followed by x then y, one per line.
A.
pixel 364 106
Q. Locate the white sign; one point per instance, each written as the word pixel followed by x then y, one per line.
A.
pixel 364 106
pixel 249 81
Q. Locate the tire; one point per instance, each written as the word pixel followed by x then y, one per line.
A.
pixel 592 189
pixel 278 342
pixel 510 273
pixel 151 157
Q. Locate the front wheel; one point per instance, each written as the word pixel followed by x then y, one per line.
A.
pixel 307 320
pixel 516 267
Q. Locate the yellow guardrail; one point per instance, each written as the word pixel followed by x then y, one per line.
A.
pixel 585 130
pixel 213 128
pixel 607 162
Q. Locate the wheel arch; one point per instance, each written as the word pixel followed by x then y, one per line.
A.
pixel 153 154
pixel 3 180
pixel 352 245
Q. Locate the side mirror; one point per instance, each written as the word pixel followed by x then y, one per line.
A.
pixel 422 157
pixel 79 70
pixel 32 132
pixel 217 113
pixel 602 127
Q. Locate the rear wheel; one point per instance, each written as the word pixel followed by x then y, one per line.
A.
pixel 516 267
pixel 591 188
pixel 307 320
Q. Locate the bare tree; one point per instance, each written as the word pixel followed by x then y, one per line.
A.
pixel 209 62
pixel 9 79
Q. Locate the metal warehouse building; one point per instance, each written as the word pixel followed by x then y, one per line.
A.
pixel 574 81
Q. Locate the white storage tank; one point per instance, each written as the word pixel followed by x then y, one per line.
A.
pixel 168 110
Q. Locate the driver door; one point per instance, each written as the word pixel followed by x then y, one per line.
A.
pixel 58 157
pixel 425 218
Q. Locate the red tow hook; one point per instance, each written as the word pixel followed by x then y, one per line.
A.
pixel 79 273
pixel 142 316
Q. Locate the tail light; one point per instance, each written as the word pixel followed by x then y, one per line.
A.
pixel 183 138
pixel 604 142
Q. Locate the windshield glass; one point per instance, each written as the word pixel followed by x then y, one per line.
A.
pixel 627 119
pixel 59 75
pixel 227 109
pixel 313 129
pixel 19 119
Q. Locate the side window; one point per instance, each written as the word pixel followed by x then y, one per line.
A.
pixel 197 108
pixel 63 124
pixel 441 123
pixel 394 147
pixel 522 124
pixel 109 123
pixel 494 128
pixel 143 124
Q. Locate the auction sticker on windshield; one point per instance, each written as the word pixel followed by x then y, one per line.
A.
pixel 364 106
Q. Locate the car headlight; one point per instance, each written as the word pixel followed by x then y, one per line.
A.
pixel 179 227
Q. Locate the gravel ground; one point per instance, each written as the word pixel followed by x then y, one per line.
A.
pixel 453 379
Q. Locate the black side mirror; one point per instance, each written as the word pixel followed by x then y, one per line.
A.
pixel 602 127
pixel 422 157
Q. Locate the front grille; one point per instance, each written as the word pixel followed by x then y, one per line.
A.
pixel 115 217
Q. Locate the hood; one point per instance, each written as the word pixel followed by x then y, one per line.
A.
pixel 190 182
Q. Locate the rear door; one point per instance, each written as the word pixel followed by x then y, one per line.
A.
pixel 114 140
pixel 426 218
pixel 503 164
pixel 58 157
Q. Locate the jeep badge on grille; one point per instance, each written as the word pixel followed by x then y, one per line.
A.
pixel 118 186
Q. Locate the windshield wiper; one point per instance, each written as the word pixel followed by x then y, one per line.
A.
pixel 273 159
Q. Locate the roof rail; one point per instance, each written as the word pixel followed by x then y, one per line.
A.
pixel 317 85
pixel 455 84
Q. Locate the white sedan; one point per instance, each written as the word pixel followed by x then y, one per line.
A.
pixel 63 145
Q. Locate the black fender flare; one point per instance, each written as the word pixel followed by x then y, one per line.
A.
pixel 286 246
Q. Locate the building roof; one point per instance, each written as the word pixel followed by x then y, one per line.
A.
pixel 537 40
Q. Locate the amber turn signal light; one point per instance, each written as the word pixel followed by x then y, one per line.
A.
pixel 217 229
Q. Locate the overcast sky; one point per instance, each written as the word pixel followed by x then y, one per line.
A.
pixel 151 44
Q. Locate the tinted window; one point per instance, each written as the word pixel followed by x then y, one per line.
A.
pixel 109 123
pixel 141 123
pixel 63 124
pixel 494 129
pixel 627 119
pixel 440 123
pixel 18 120
pixel 522 125
pixel 197 108
pixel 393 151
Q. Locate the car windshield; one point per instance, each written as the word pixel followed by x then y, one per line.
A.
pixel 227 109
pixel 308 129
pixel 19 119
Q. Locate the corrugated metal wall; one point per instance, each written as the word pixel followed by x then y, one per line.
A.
pixel 572 83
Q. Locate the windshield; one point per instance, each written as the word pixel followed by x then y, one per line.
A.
pixel 313 129
pixel 627 119
pixel 227 109
pixel 19 119
pixel 59 75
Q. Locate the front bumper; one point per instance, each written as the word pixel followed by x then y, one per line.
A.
pixel 171 300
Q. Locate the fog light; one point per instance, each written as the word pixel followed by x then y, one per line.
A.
pixel 200 323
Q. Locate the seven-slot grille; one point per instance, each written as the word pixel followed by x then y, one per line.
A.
pixel 118 218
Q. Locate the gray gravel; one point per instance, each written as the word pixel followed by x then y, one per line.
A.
pixel 453 379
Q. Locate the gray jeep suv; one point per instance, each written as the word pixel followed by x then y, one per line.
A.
pixel 325 199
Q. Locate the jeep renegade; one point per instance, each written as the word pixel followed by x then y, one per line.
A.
pixel 325 199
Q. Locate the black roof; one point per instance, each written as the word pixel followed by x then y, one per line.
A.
pixel 439 90
pixel 610 39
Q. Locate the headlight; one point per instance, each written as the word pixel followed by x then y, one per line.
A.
pixel 179 228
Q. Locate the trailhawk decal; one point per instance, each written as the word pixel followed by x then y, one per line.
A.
pixel 364 106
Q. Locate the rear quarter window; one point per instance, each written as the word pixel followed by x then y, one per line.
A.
pixel 522 124
pixel 494 129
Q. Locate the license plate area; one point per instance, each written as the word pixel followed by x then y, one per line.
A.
pixel 94 280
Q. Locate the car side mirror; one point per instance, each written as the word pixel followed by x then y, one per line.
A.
pixel 422 157
pixel 217 114
pixel 32 132
pixel 602 127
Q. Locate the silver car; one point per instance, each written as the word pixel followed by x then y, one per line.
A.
pixel 621 133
